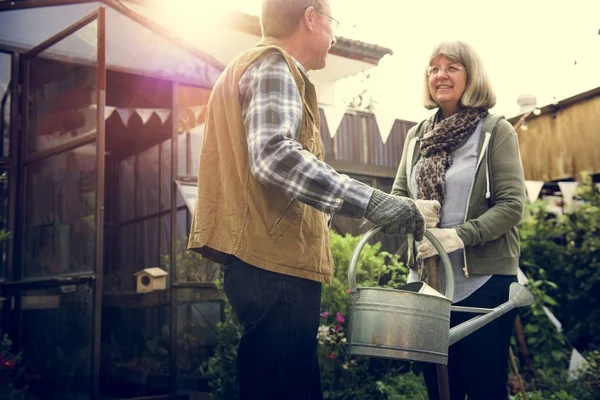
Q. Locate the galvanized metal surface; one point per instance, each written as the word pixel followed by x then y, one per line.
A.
pixel 519 296
pixel 409 325
pixel 399 324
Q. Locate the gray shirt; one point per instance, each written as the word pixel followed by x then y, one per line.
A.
pixel 459 178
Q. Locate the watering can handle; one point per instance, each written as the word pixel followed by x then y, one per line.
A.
pixel 449 292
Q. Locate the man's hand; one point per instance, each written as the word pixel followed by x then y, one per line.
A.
pixel 431 211
pixel 396 215
pixel 448 238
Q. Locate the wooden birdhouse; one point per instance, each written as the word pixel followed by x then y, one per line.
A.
pixel 151 279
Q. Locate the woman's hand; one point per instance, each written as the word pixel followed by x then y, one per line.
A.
pixel 448 238
pixel 431 212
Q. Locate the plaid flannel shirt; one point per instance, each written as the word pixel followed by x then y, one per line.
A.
pixel 272 114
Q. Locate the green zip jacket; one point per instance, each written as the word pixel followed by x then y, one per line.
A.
pixel 496 201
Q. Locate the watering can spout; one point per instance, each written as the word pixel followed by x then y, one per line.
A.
pixel 519 296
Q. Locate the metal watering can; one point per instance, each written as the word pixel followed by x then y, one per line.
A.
pixel 412 322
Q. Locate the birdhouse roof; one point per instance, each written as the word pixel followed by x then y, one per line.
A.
pixel 153 272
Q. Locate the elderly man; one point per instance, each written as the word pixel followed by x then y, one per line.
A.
pixel 264 196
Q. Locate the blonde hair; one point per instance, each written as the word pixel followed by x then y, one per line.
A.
pixel 478 92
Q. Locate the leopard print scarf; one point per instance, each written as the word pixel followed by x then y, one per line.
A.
pixel 436 146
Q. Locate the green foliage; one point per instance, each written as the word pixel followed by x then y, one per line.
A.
pixel 10 363
pixel 343 376
pixel 565 251
pixel 546 344
pixel 561 257
pixel 191 266
pixel 222 366
pixel 10 371
pixel 555 383
pixel 375 268
pixel 408 386
pixel 356 378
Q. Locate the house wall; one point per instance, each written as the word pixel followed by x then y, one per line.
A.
pixel 325 92
pixel 561 144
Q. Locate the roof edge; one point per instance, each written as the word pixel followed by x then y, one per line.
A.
pixel 120 7
pixel 554 107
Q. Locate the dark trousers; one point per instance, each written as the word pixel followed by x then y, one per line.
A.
pixel 478 364
pixel 277 354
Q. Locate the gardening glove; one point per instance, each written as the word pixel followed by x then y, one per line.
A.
pixel 448 238
pixel 396 215
pixel 431 211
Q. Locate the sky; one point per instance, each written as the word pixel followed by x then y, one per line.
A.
pixel 550 49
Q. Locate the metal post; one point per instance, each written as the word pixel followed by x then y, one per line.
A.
pixel 173 272
pixel 100 176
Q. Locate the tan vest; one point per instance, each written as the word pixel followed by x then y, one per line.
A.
pixel 235 213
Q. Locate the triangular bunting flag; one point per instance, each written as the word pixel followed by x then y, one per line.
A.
pixel 144 113
pixel 197 110
pixel 125 114
pixel 576 364
pixel 533 189
pixel 385 122
pixel 197 130
pixel 333 118
pixel 521 277
pixel 568 190
pixel 163 114
pixel 553 319
pixel 108 111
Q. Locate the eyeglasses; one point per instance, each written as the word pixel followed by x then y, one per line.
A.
pixel 334 23
pixel 450 70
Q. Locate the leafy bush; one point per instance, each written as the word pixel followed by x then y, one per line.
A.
pixel 566 250
pixel 10 363
pixel 344 376
pixel 10 370
pixel 561 257
pixel 191 266
pixel 375 268
pixel 556 384
pixel 222 366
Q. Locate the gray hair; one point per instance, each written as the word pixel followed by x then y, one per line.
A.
pixel 478 92
pixel 280 18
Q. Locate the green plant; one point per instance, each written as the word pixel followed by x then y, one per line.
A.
pixel 375 268
pixel 153 354
pixel 343 376
pixel 191 266
pixel 556 384
pixel 10 371
pixel 10 363
pixel 548 346
pixel 566 250
pixel 222 366
pixel 561 257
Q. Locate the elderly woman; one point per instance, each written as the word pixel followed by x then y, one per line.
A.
pixel 468 160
